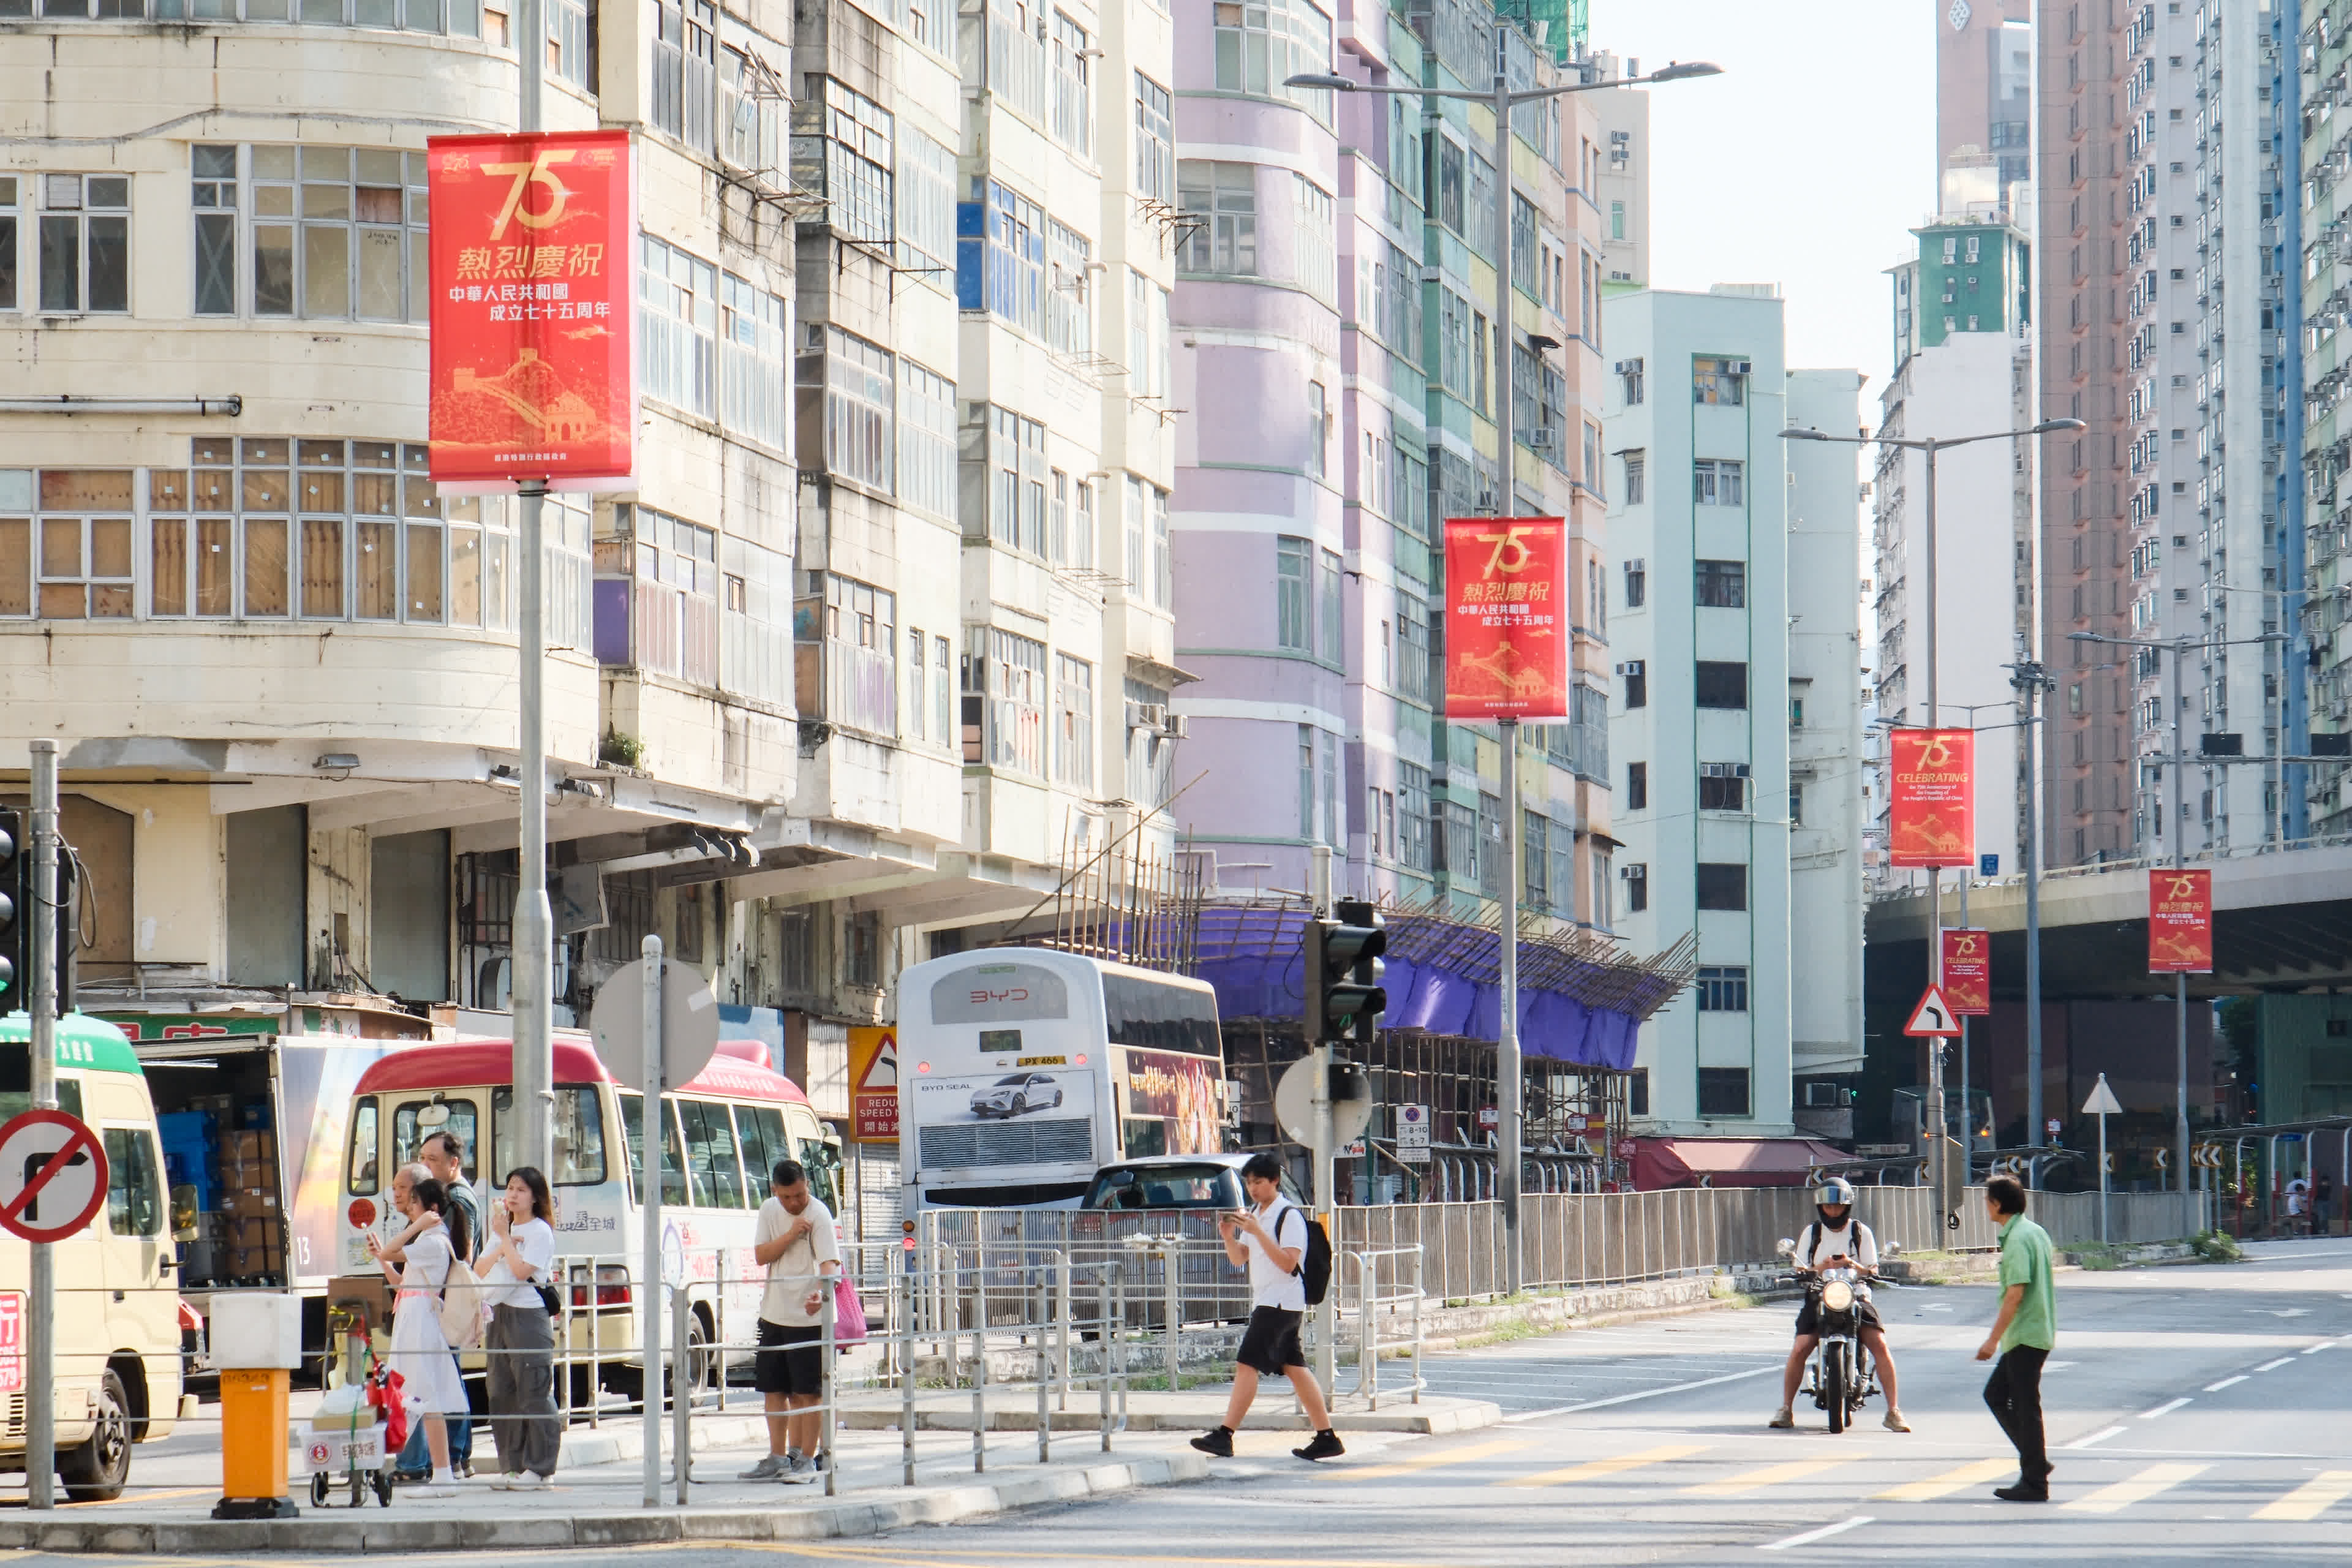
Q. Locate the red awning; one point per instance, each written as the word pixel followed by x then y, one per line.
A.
pixel 1727 1162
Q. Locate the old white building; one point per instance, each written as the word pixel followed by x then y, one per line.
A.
pixel 882 631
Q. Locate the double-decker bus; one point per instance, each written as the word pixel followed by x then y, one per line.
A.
pixel 1022 1070
pixel 722 1132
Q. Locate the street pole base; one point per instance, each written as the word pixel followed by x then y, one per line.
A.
pixel 255 1508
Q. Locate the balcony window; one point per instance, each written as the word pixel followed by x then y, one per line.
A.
pixel 927 440
pixel 1004 702
pixel 1013 478
pixel 1220 205
pixel 1000 256
pixel 658 596
pixel 1074 97
pixel 1155 141
pixel 857 647
pixel 1069 296
pixel 849 159
pixel 1074 722
pixel 860 418
pixel 678 328
pixel 752 323
pixel 684 69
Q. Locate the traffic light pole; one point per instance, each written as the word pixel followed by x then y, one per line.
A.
pixel 1326 1157
pixel 40 949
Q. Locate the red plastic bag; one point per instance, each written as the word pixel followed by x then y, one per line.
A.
pixel 386 1391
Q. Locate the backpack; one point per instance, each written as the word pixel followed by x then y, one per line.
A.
pixel 461 1306
pixel 1314 1268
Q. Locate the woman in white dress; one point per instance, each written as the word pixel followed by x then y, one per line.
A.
pixel 420 1351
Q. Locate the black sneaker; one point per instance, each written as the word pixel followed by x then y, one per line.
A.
pixel 1216 1442
pixel 1324 1445
pixel 2022 1492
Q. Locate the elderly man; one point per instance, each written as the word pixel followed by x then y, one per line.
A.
pixel 441 1158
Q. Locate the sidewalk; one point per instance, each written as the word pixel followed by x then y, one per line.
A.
pixel 597 1499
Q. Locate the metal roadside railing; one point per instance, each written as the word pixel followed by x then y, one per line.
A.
pixel 1383 1288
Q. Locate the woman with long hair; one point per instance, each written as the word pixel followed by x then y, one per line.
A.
pixel 420 1352
pixel 515 1263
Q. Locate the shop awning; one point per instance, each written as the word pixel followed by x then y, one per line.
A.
pixel 1727 1162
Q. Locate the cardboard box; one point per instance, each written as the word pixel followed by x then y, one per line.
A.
pixel 252 1201
pixel 242 1144
pixel 255 1231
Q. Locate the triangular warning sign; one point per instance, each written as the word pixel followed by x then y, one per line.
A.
pixel 1932 1016
pixel 881 1075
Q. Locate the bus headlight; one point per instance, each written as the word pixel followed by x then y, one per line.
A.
pixel 1837 1296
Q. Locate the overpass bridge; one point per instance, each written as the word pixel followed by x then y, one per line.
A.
pixel 2282 935
pixel 2281 921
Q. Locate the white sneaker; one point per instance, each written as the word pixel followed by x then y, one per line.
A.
pixel 502 1482
pixel 527 1481
pixel 434 1489
pixel 1895 1421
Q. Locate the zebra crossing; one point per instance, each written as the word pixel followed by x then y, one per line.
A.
pixel 1669 1472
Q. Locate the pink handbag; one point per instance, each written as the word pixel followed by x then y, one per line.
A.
pixel 848 1312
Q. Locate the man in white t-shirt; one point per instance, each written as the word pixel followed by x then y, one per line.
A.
pixel 796 1240
pixel 1269 1239
pixel 1837 1237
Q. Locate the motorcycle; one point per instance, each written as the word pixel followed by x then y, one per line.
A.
pixel 1840 1376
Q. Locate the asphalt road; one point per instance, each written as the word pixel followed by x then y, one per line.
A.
pixel 2195 1413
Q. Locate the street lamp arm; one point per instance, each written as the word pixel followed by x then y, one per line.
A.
pixel 1921 443
pixel 1331 81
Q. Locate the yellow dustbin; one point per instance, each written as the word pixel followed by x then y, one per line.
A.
pixel 256 1343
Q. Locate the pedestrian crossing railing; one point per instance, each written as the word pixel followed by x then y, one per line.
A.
pixel 1382 1287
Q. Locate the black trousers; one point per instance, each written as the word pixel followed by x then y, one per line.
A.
pixel 2014 1393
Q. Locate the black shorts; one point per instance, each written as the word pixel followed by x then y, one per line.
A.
pixel 789 1361
pixel 1809 1316
pixel 1270 1344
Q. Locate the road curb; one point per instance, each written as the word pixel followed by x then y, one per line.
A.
pixel 388 1530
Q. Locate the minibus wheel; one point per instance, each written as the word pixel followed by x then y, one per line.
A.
pixel 95 1471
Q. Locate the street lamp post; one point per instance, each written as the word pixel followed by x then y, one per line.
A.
pixel 2177 764
pixel 1510 1134
pixel 1930 446
pixel 2032 681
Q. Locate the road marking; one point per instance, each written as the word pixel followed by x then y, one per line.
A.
pixel 2311 1498
pixel 2274 1365
pixel 2322 1345
pixel 1950 1481
pixel 1425 1462
pixel 2095 1438
pixel 2055 1365
pixel 1823 1533
pixel 1610 1467
pixel 1645 1393
pixel 2218 1387
pixel 2165 1409
pixel 2137 1488
pixel 1770 1476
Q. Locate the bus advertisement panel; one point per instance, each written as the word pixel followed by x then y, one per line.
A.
pixel 1170 1103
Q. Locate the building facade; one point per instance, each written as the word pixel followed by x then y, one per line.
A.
pixel 1984 87
pixel 882 635
pixel 1332 342
pixel 1963 331
pixel 1827 758
pixel 1708 704
pixel 2326 53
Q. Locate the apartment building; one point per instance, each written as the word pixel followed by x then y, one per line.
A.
pixel 881 634
pixel 2326 54
pixel 1984 89
pixel 1828 758
pixel 1962 322
pixel 1713 699
pixel 2095 233
pixel 1332 342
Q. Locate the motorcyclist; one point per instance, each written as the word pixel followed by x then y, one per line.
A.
pixel 1836 1238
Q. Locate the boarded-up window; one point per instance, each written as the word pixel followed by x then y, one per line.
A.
pixel 408 916
pixel 102 839
pixel 268 870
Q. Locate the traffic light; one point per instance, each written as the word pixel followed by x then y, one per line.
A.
pixel 1343 973
pixel 14 863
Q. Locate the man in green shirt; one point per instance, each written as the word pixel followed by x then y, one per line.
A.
pixel 2022 1337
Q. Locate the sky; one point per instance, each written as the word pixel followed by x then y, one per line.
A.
pixel 1806 163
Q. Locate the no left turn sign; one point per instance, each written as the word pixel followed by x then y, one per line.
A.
pixel 52 1175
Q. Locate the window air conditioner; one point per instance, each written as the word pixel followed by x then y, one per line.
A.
pixel 1173 728
pixel 1543 438
pixel 1743 367
pixel 1631 667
